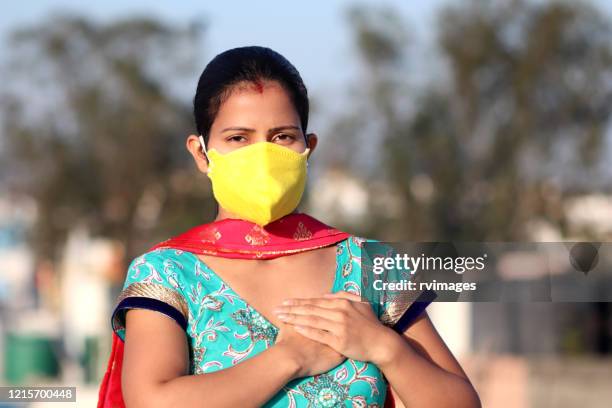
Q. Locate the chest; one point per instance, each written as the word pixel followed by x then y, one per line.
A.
pixel 264 284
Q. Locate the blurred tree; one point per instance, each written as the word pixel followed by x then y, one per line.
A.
pixel 94 129
pixel 517 121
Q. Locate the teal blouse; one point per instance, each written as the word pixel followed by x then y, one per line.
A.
pixel 223 330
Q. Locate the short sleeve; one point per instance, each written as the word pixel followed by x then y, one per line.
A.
pixel 153 282
pixel 394 290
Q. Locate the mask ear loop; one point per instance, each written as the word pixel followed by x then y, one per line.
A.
pixel 204 147
pixel 307 151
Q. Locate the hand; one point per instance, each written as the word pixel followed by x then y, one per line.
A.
pixel 343 322
pixel 312 357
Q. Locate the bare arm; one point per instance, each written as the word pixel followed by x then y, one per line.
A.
pixel 420 358
pixel 156 367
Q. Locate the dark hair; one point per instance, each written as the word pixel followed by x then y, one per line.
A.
pixel 245 64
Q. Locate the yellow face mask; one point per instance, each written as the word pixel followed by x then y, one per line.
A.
pixel 261 182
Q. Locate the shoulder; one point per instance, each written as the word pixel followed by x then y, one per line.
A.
pixel 351 253
pixel 355 254
pixel 356 244
pixel 157 257
pixel 164 261
pixel 357 241
pixel 162 269
pixel 154 281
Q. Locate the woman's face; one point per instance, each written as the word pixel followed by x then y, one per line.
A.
pixel 254 113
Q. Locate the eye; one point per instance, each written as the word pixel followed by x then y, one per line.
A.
pixel 236 138
pixel 283 138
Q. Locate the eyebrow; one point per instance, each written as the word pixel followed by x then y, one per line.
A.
pixel 272 130
pixel 286 127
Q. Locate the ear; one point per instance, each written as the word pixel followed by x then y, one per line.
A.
pixel 195 148
pixel 312 142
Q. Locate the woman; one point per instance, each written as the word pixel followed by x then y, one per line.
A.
pixel 261 307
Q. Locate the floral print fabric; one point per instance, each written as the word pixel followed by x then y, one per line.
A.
pixel 223 330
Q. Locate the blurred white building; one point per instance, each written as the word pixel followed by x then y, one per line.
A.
pixel 85 289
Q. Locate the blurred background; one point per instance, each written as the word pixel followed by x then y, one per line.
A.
pixel 438 121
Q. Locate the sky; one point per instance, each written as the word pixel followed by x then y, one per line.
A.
pixel 313 35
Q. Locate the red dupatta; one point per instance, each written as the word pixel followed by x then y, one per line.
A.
pixel 231 238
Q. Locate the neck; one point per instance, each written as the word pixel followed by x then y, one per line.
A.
pixel 223 214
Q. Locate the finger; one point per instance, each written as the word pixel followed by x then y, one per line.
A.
pixel 312 310
pixel 321 336
pixel 348 296
pixel 344 295
pixel 328 303
pixel 314 322
pixel 361 304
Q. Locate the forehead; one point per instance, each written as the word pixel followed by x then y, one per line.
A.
pixel 263 103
